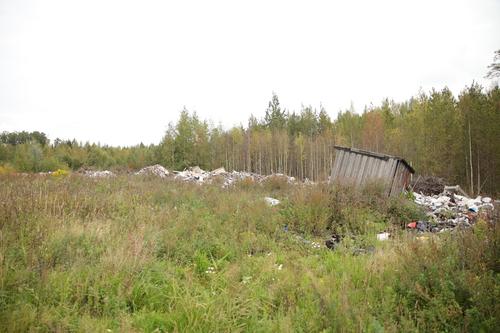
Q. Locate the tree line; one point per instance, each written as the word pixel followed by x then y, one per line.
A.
pixel 451 137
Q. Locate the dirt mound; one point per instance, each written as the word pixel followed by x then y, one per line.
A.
pixel 428 185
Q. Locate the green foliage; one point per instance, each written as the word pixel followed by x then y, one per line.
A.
pixel 452 282
pixel 127 254
pixel 60 173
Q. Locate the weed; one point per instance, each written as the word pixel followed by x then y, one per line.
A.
pixel 136 254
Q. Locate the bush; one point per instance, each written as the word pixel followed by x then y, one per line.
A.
pixel 453 282
pixel 276 182
pixel 59 173
pixel 7 170
pixel 307 210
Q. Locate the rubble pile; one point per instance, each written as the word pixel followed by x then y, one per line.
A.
pixel 193 174
pixel 448 210
pixel 98 173
pixel 198 175
pixel 153 170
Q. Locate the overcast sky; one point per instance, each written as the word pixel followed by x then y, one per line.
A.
pixel 117 72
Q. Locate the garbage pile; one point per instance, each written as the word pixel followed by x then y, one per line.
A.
pixel 153 170
pixel 448 210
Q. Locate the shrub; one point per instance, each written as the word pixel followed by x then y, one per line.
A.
pixel 451 283
pixel 276 182
pixel 59 173
pixel 7 170
pixel 307 210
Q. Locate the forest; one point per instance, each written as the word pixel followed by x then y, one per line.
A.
pixel 453 137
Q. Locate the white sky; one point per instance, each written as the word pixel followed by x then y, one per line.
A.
pixel 117 72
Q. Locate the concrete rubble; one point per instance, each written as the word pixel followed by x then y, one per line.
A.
pixel 448 210
pixel 198 175
pixel 153 170
pixel 98 173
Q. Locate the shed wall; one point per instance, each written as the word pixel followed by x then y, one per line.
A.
pixel 359 169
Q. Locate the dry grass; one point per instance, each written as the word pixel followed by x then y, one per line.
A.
pixel 138 254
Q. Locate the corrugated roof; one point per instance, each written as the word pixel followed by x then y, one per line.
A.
pixel 377 155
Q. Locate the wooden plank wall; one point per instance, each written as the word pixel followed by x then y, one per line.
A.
pixel 358 169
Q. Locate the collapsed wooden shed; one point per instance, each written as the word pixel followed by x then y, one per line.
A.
pixel 358 167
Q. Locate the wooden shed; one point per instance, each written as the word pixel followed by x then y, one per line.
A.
pixel 358 167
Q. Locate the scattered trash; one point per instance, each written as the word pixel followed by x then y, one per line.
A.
pixel 473 209
pixel 246 279
pixel 412 225
pixel 486 200
pixel 153 170
pixel 360 250
pixel 448 210
pixel 419 225
pixel 279 267
pixel 383 236
pixel 271 201
pixel 313 244
pixel 333 242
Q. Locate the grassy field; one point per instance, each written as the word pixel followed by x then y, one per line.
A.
pixel 133 254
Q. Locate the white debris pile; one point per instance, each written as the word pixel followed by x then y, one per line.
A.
pixel 193 174
pixel 98 173
pixel 153 170
pixel 232 177
pixel 449 210
pixel 271 201
pixel 198 175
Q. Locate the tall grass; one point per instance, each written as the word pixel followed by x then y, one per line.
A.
pixel 139 254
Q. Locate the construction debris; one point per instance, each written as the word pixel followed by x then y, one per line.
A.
pixel 333 242
pixel 271 201
pixel 98 173
pixel 448 210
pixel 198 175
pixel 153 170
pixel 383 236
pixel 193 174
